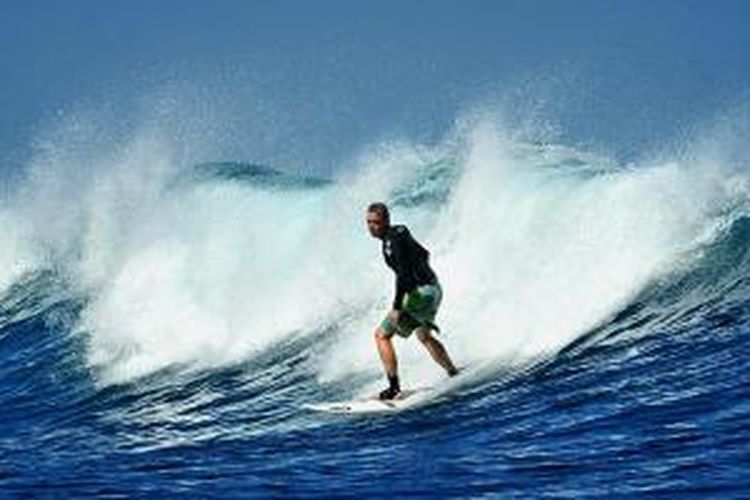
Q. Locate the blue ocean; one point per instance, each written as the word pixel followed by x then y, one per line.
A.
pixel 165 321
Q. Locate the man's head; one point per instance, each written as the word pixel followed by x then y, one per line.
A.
pixel 378 219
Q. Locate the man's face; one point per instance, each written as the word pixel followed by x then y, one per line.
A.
pixel 376 224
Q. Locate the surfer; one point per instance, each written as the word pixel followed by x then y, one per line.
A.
pixel 417 299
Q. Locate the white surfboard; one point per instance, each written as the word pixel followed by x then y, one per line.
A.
pixel 407 399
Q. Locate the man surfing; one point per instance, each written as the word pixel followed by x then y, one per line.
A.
pixel 418 296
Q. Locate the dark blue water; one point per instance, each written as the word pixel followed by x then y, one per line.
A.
pixel 655 400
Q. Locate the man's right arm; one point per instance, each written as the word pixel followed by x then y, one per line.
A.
pixel 402 257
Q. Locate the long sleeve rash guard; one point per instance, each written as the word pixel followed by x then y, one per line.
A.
pixel 408 259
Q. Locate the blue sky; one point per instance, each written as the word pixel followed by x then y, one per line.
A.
pixel 325 77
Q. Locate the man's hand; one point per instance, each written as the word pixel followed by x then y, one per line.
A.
pixel 394 315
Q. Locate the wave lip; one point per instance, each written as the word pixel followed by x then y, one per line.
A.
pixel 257 175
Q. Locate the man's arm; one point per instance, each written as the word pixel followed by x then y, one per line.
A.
pixel 402 258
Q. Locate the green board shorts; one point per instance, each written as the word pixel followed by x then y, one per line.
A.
pixel 418 309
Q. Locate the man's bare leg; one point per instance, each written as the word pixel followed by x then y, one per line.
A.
pixel 437 351
pixel 387 353
pixel 388 357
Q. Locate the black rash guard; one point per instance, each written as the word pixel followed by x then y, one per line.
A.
pixel 409 260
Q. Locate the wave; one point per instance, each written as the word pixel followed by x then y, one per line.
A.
pixel 537 246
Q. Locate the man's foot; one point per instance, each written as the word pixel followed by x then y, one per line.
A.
pixel 390 393
pixel 453 372
pixel 394 388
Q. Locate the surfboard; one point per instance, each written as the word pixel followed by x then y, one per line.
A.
pixel 407 399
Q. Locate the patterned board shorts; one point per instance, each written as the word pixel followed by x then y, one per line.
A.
pixel 418 309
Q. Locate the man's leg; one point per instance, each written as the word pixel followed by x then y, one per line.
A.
pixel 436 350
pixel 388 355
pixel 387 352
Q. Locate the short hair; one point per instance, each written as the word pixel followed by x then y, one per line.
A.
pixel 381 209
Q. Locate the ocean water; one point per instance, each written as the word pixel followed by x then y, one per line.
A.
pixel 163 323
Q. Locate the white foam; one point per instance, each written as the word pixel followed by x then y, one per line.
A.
pixel 532 249
pixel 530 257
pixel 17 254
